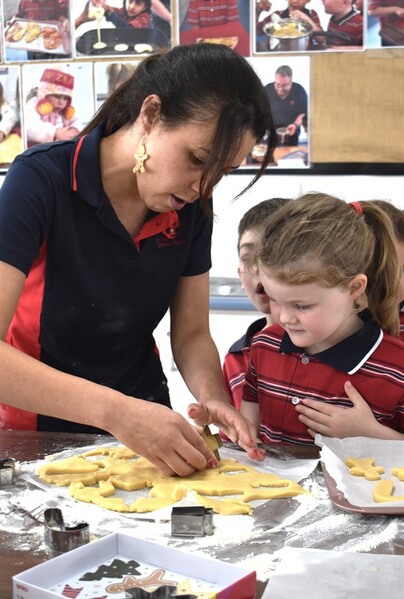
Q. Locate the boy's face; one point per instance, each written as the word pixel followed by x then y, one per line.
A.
pixel 248 271
pixel 297 4
pixel 400 247
pixel 134 7
pixel 334 7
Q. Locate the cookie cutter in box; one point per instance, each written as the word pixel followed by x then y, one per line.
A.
pixel 62 538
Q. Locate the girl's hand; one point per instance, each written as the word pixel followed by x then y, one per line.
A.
pixel 337 421
pixel 230 422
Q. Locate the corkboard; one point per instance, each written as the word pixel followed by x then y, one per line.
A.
pixel 357 107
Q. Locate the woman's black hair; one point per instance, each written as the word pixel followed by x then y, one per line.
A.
pixel 198 82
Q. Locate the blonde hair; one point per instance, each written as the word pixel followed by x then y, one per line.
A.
pixel 321 239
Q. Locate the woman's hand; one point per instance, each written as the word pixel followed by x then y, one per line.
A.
pixel 230 422
pixel 162 436
pixel 337 421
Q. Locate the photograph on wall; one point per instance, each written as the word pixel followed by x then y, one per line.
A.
pixel 308 25
pixel 108 76
pixel 36 30
pixel 215 21
pixel 385 23
pixel 58 101
pixel 287 83
pixel 121 27
pixel 11 142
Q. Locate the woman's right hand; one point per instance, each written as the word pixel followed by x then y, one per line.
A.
pixel 162 436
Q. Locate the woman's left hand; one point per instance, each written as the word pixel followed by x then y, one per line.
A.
pixel 337 421
pixel 230 422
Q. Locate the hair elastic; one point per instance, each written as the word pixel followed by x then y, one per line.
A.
pixel 356 206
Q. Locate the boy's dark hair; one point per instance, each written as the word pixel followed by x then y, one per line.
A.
pixel 147 4
pixel 256 216
pixel 396 216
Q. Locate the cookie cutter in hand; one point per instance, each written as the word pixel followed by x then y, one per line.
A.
pixel 62 538
pixel 191 521
pixel 7 471
pixel 163 592
pixel 213 441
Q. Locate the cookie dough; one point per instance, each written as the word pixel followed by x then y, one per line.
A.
pixel 96 480
pixel 383 492
pixel 399 472
pixel 364 467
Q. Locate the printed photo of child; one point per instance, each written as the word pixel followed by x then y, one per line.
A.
pixel 10 126
pixel 308 25
pixel 116 27
pixel 215 21
pixel 59 101
pixel 36 30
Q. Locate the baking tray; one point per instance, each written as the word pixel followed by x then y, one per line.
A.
pixel 116 38
pixel 37 45
pixel 339 499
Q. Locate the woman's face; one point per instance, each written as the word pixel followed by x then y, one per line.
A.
pixel 175 163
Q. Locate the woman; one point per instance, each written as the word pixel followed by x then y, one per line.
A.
pixel 102 234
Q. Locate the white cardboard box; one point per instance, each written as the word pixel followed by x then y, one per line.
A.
pixel 144 560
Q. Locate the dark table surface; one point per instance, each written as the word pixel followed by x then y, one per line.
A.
pixel 270 530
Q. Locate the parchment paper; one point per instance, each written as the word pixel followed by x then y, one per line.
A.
pixel 357 490
pixel 320 574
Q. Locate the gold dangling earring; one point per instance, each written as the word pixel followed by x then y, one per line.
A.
pixel 140 156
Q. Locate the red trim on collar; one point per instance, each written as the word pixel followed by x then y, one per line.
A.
pixel 166 223
pixel 75 159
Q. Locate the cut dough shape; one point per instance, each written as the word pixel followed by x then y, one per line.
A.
pixel 364 467
pixel 383 492
pixel 399 472
pixel 95 481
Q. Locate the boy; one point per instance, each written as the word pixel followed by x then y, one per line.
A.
pixel 206 13
pixel 345 19
pixel 296 9
pixel 249 232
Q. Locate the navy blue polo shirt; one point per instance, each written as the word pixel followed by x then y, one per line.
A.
pixel 93 295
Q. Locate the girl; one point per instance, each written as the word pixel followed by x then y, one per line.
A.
pixel 331 271
pixel 49 114
pixel 397 220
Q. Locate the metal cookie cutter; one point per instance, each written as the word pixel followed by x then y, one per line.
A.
pixel 164 592
pixel 60 537
pixel 7 471
pixel 191 521
pixel 213 441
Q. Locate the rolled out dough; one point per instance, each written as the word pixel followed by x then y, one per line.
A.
pixel 96 480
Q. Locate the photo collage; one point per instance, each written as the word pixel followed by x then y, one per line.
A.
pixel 60 59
